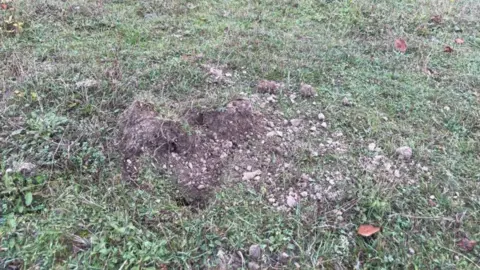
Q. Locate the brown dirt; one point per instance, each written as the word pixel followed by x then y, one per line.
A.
pixel 211 149
pixel 195 151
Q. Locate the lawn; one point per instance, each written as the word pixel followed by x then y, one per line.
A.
pixel 359 113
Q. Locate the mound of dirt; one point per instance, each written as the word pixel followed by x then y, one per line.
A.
pixel 193 151
pixel 238 143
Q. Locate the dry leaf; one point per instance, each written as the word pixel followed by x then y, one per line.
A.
pixel 401 45
pixel 367 230
pixel 466 244
pixel 448 49
pixel 459 41
pixel 436 19
pixel 4 6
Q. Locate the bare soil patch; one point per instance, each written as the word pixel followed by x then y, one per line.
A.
pixel 248 141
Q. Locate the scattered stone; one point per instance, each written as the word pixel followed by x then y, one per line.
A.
pixel 87 84
pixel 324 125
pixel 269 87
pixel 255 252
pixel 346 102
pixel 272 200
pixel 372 146
pixel 25 168
pixel 228 144
pixel 271 99
pixel 295 122
pixel 253 266
pixel 291 201
pixel 293 97
pixel 249 168
pixel 275 133
pixel 404 152
pixel 283 258
pixel 200 187
pixel 150 16
pixel 304 194
pixel 396 173
pixel 411 251
pixel 313 128
pixel 250 175
pixel 307 90
pixel 321 117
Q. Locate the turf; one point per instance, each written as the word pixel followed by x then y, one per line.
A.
pixel 82 215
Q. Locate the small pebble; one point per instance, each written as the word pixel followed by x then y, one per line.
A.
pixel 372 146
pixel 291 201
pixel 346 102
pixel 255 252
pixel 253 266
pixel 295 122
pixel 250 175
pixel 283 258
pixel 404 152
pixel 304 194
pixel 321 117
pixel 324 124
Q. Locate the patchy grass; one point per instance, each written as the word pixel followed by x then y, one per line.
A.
pixel 83 216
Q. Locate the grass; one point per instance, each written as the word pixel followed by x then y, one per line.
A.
pixel 83 216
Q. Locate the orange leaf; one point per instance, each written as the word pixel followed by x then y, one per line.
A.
pixel 466 244
pixel 4 6
pixel 401 45
pixel 459 41
pixel 367 230
pixel 448 49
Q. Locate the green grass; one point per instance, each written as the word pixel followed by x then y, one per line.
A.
pixel 83 216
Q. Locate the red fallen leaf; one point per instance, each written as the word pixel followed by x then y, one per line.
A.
pixel 432 203
pixel 466 244
pixel 4 6
pixel 367 230
pixel 448 49
pixel 401 45
pixel 459 41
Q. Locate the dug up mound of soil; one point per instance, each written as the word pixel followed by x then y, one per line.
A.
pixel 248 141
pixel 194 150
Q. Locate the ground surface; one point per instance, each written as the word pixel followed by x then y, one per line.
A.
pixel 239 134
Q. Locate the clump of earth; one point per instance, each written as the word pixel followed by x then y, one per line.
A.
pixel 249 140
